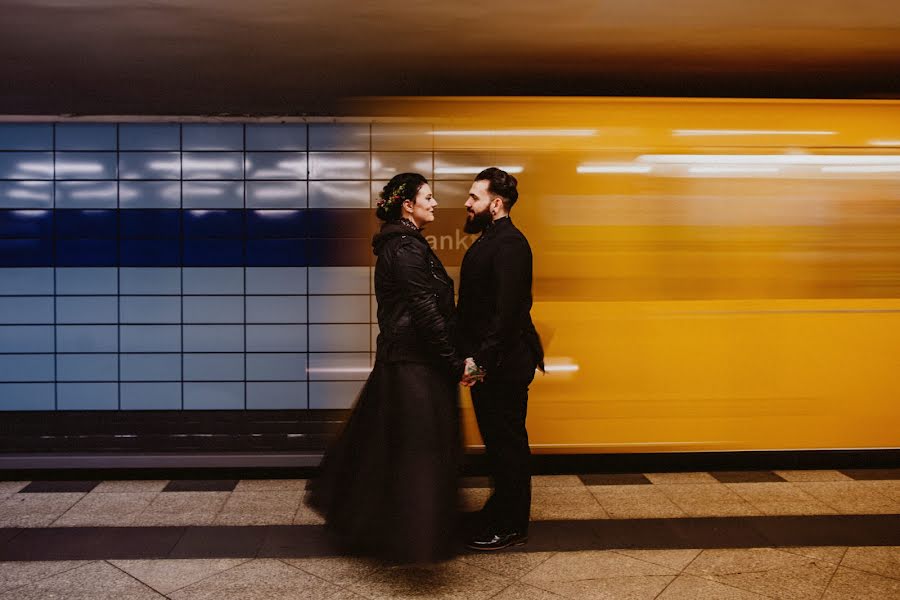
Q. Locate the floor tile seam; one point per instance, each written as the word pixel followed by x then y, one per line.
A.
pixel 835 508
pixel 305 572
pixel 83 563
pixel 813 496
pixel 222 512
pixel 785 549
pixel 620 552
pixel 671 581
pixel 833 573
pixel 597 502
pixel 673 578
pixel 777 568
pixel 512 583
pixel 353 587
pixel 518 578
pixel 356 586
pixel 858 570
pixel 219 510
pixel 667 499
pixel 129 575
pixel 731 585
pixel 73 505
pixel 137 517
pixel 883 495
pixel 243 561
pixel 766 513
pixel 129 523
pixel 533 569
pixel 683 572
pixel 872 485
pixel 639 576
pixel 679 506
pixel 528 585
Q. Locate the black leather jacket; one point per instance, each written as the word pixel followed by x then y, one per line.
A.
pixel 415 301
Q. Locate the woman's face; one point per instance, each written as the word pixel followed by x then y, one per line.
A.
pixel 423 207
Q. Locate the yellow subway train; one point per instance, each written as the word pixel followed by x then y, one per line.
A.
pixel 710 274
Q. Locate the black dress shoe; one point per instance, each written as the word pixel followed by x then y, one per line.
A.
pixel 496 541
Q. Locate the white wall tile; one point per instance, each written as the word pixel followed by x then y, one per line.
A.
pixel 280 366
pixel 334 394
pixel 27 396
pixel 280 395
pixel 276 280
pixel 339 338
pixel 150 396
pixel 276 338
pixel 213 395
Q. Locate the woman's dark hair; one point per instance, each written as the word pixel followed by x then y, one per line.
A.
pixel 500 183
pixel 401 187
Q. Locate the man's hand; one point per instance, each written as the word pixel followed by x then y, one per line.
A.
pixel 472 374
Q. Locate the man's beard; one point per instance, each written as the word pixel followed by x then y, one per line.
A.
pixel 478 223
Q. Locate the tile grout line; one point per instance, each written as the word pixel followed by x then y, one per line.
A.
pixel 879 492
pixel 146 508
pixel 870 573
pixel 212 522
pixel 598 503
pixel 679 574
pixel 243 562
pixel 815 499
pixel 127 574
pixel 71 506
pixel 833 573
pixel 305 572
pixel 753 504
pixel 857 569
pixel 621 552
pixel 39 579
pixel 687 566
pixel 743 500
pixel 837 510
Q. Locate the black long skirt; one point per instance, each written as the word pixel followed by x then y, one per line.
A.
pixel 388 484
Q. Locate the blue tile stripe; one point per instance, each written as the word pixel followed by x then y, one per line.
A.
pixel 179 237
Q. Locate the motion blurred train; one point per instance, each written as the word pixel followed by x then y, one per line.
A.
pixel 709 274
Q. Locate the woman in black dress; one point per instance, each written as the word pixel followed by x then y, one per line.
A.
pixel 388 485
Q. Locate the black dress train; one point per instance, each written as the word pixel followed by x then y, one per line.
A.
pixel 388 485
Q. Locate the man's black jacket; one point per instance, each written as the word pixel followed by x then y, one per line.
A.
pixel 415 301
pixel 494 309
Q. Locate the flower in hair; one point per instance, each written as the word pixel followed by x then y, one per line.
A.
pixel 395 197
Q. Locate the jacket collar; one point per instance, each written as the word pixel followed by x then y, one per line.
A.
pixel 392 229
pixel 498 225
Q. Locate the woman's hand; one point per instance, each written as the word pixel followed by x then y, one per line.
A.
pixel 472 374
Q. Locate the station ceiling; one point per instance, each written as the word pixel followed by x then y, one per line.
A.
pixel 281 57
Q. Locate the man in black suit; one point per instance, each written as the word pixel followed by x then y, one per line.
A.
pixel 495 328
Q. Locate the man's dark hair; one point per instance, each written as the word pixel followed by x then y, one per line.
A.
pixel 500 183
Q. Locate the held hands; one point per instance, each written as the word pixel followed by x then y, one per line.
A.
pixel 472 374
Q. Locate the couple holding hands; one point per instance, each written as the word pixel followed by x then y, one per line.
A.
pixel 388 485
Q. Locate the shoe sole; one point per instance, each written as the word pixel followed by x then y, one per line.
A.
pixel 510 545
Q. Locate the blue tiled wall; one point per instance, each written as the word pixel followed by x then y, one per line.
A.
pixel 190 266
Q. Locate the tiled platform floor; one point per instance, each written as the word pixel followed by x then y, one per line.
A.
pixel 784 534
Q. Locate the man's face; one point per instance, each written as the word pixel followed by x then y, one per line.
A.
pixel 478 207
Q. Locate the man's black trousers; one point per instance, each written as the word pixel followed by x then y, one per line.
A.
pixel 500 408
